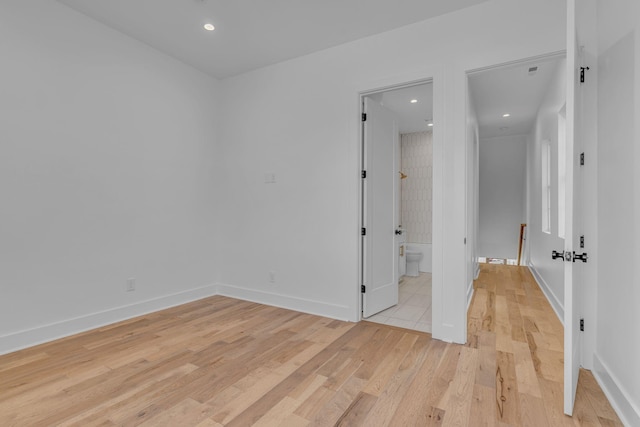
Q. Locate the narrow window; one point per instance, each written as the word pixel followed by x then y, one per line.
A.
pixel 546 186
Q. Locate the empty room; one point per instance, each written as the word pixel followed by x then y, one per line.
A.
pixel 188 200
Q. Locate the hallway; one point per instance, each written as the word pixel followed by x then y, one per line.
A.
pixel 520 355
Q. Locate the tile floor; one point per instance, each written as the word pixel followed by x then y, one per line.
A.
pixel 414 305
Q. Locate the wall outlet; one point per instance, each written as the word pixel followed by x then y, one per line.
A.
pixel 269 178
pixel 131 284
pixel 272 277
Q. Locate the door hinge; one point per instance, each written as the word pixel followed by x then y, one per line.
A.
pixel 564 256
pixel 363 289
pixel 364 117
pixel 581 159
pixel 580 257
pixel 582 242
pixel 581 325
pixel 582 70
pixel 364 174
pixel 363 231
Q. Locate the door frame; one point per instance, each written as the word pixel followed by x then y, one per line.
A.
pixel 569 308
pixel 475 179
pixel 385 85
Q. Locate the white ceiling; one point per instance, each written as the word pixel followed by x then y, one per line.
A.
pixel 251 34
pixel 510 89
pixel 412 117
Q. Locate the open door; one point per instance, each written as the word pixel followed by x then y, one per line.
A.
pixel 573 218
pixel 380 260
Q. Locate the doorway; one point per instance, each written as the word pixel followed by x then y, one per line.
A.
pixel 499 98
pixel 397 188
pixel 512 105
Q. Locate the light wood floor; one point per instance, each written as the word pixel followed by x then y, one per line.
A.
pixel 221 361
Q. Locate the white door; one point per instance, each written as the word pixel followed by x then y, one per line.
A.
pixel 380 259
pixel 573 218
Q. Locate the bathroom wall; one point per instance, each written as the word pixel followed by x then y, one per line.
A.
pixel 416 162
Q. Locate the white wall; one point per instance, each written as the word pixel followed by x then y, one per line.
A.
pixel 299 119
pixel 549 273
pixel 107 171
pixel 502 170
pixel 618 298
pixel 473 194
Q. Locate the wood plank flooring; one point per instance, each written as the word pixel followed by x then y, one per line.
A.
pixel 224 362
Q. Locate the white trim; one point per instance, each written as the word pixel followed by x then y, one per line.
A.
pixel 618 396
pixel 557 306
pixel 544 57
pixel 53 331
pixel 470 292
pixel 318 308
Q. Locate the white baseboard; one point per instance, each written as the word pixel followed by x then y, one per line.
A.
pixel 557 306
pixel 31 337
pixel 340 312
pixel 470 291
pixel 618 396
pixel 28 338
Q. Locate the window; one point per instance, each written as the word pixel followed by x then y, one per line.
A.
pixel 546 186
pixel 562 169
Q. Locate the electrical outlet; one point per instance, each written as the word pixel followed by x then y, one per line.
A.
pixel 272 277
pixel 269 178
pixel 131 284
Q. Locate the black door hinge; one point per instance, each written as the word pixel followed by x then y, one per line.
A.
pixel 364 174
pixel 581 325
pixel 364 117
pixel 580 257
pixel 581 159
pixel 363 231
pixel 582 70
pixel 564 256
pixel 363 289
pixel 582 242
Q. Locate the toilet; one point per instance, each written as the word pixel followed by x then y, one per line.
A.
pixel 414 257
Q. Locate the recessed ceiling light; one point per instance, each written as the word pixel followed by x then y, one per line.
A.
pixel 506 115
pixel 413 101
pixel 209 27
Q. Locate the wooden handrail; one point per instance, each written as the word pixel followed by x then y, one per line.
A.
pixel 522 227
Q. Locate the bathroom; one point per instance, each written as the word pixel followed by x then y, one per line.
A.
pixel 413 107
